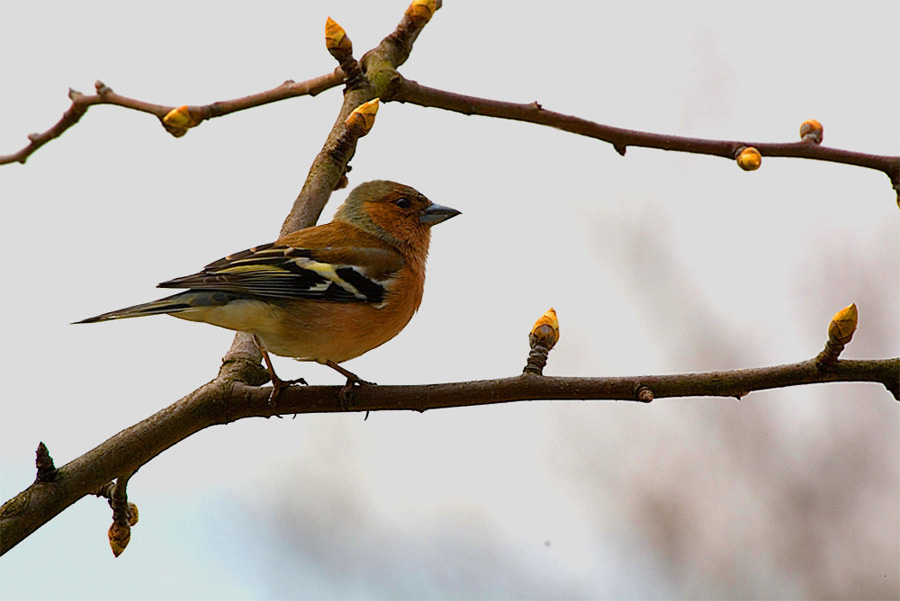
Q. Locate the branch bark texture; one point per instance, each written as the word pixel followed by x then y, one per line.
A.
pixel 227 399
pixel 405 90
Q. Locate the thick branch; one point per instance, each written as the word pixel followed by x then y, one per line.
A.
pixel 330 165
pixel 405 90
pixel 736 383
pixel 225 400
pixel 123 453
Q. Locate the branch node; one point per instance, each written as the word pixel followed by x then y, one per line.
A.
pixel 46 471
pixel 106 490
pixel 102 88
pixel 396 84
pixel 642 393
pixel 893 386
pixel 620 148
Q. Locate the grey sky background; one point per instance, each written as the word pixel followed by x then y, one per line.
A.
pixel 656 262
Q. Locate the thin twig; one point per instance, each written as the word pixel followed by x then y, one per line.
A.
pixel 395 49
pixel 105 95
pixel 405 90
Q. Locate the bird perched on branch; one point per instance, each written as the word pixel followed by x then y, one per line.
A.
pixel 327 293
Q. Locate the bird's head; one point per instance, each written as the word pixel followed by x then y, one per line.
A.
pixel 400 215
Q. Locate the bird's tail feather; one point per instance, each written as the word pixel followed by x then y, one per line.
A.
pixel 177 303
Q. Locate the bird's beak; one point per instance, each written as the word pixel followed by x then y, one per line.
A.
pixel 434 214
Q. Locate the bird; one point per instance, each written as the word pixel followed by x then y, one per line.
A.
pixel 327 293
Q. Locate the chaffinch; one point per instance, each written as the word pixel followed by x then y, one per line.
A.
pixel 327 293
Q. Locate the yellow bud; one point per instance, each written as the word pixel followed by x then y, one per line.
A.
pixel 132 514
pixel 336 39
pixel 362 118
pixel 843 324
pixel 749 159
pixel 546 329
pixel 179 120
pixel 179 117
pixel 812 130
pixel 119 535
pixel 421 11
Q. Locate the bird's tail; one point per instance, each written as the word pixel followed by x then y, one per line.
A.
pixel 177 303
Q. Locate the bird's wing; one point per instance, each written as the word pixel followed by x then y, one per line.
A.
pixel 291 271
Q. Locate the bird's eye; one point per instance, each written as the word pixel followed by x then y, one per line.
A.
pixel 402 202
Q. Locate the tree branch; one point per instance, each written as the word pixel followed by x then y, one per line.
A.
pixel 81 103
pixel 329 167
pixel 226 399
pixel 384 59
pixel 735 383
pixel 405 90
pixel 383 81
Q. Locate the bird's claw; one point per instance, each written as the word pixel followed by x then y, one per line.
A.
pixel 278 385
pixel 347 391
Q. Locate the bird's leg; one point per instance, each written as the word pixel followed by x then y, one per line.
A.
pixel 277 383
pixel 353 380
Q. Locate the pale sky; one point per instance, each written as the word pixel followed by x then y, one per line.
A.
pixel 656 263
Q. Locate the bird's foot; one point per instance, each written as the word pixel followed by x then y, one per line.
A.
pixel 353 382
pixel 278 385
pixel 347 390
